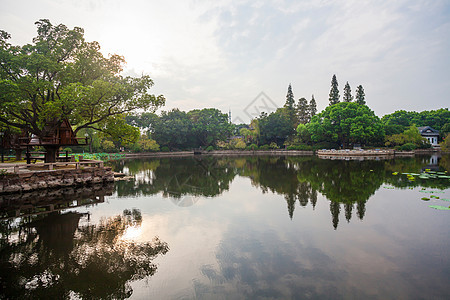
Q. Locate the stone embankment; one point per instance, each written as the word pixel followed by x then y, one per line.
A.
pixel 24 180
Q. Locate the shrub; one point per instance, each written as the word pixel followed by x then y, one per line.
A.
pixel 302 147
pixel 209 148
pixel 325 145
pixel 165 149
pixel 252 147
pixel 408 147
pixel 273 145
pixel 264 147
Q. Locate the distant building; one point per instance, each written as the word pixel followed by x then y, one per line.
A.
pixel 430 134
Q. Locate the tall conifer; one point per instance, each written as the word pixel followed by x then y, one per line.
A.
pixel 360 95
pixel 334 92
pixel 312 107
pixel 302 111
pixel 347 93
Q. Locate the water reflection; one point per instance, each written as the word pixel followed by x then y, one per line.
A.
pixel 54 257
pixel 347 184
pixel 46 201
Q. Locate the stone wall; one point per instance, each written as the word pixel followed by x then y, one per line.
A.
pixel 35 180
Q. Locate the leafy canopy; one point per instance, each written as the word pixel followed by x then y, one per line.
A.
pixel 346 122
pixel 60 75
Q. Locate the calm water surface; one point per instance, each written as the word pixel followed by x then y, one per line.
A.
pixel 235 228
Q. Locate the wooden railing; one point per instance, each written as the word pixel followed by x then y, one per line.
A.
pixel 35 141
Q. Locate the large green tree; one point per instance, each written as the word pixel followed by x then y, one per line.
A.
pixel 173 129
pixel 61 76
pixel 334 91
pixel 275 127
pixel 346 122
pixel 209 126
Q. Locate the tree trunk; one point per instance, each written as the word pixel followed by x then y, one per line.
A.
pixel 18 154
pixel 50 153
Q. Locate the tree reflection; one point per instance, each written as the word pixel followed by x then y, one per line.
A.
pixel 348 185
pixel 175 177
pixel 55 258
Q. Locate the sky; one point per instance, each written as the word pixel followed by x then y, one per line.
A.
pixel 242 55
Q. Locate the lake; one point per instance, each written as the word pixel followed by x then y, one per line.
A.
pixel 256 227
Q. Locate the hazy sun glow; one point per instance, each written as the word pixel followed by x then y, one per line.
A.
pixel 132 232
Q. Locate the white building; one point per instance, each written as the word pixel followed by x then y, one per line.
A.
pixel 430 134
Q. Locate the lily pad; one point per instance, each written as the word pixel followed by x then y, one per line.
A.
pixel 425 199
pixel 439 207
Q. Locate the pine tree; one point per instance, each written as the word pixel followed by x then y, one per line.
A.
pixel 302 111
pixel 290 102
pixel 289 106
pixel 334 92
pixel 360 95
pixel 347 93
pixel 312 107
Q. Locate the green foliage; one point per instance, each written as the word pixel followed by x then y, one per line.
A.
pixel 144 121
pixel 209 126
pixel 334 91
pixel 325 145
pixel 360 95
pixel 251 134
pixel 209 148
pixel 312 107
pixel 173 129
pixel 61 76
pixel 264 147
pixel 273 145
pixel 108 146
pixel 347 93
pixel 289 106
pixel 121 132
pixel 302 147
pixel 275 127
pixel 409 136
pixel 67 149
pixel 290 102
pixel 303 114
pixel 103 156
pixel 408 147
pixel 346 122
pixel 145 144
pixel 165 149
pixel 252 147
pixel 233 144
pixel 446 143
pixel 303 133
pixel 400 120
